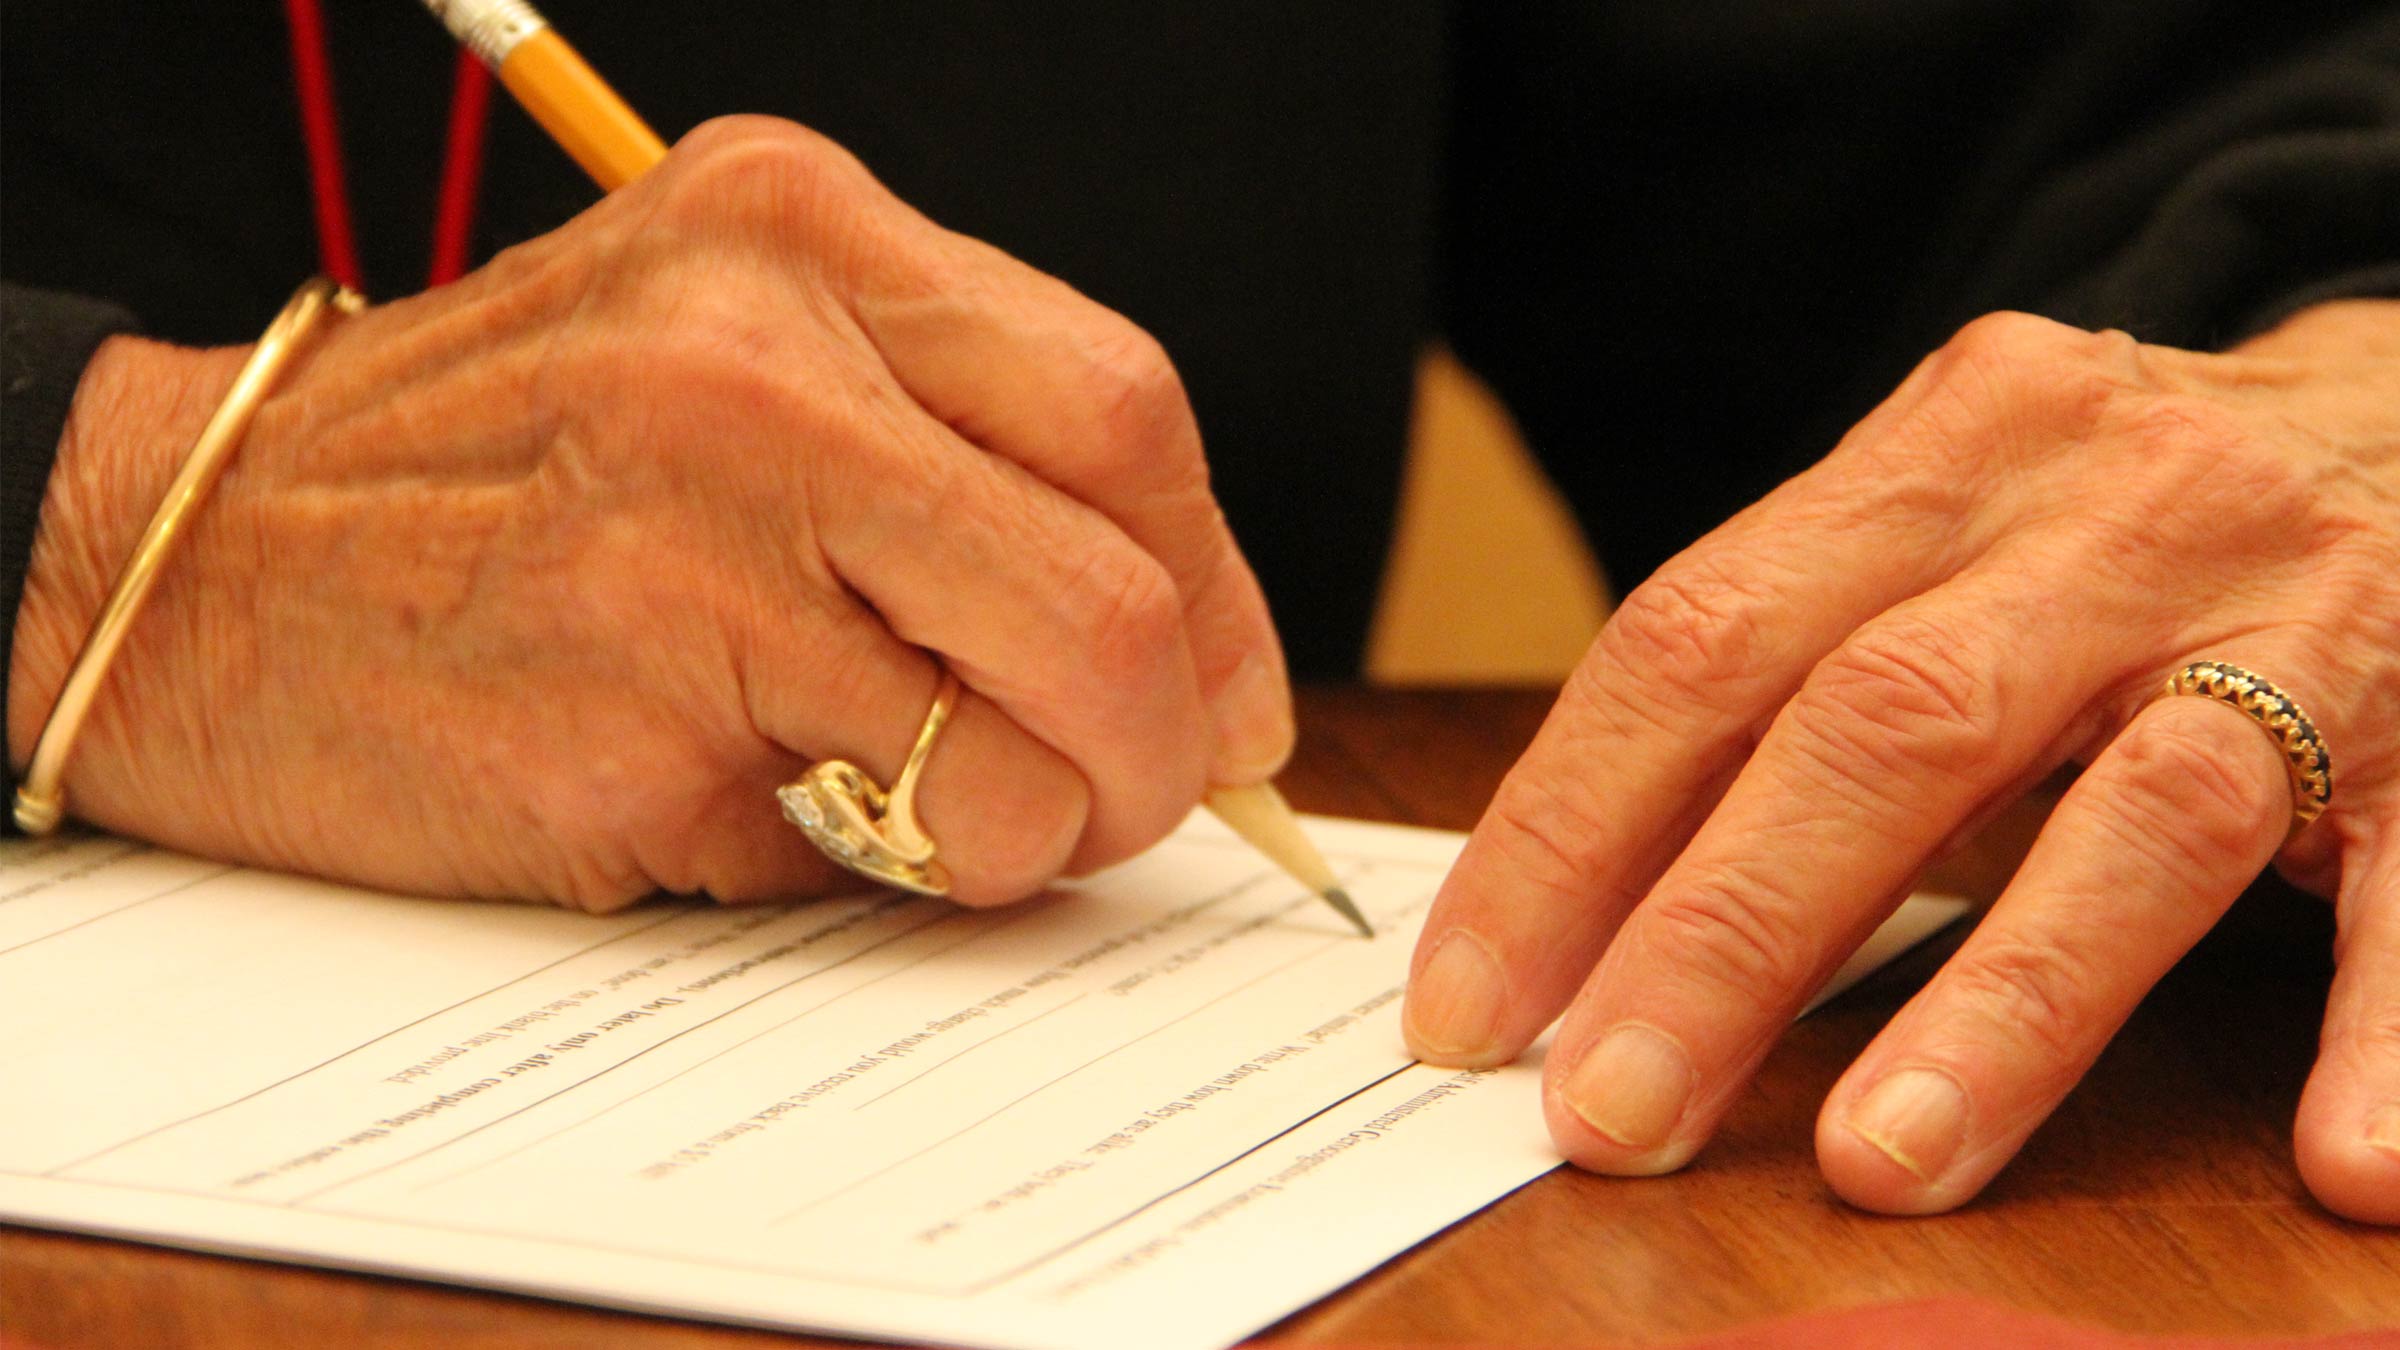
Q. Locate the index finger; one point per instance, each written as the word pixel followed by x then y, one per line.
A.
pixel 1652 726
pixel 1025 366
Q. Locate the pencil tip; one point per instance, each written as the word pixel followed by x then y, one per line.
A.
pixel 1348 909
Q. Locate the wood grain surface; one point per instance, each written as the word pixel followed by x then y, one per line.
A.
pixel 2161 1197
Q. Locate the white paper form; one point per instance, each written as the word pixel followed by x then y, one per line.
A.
pixel 1166 1106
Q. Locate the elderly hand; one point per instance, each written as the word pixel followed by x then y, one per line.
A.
pixel 539 584
pixel 1992 575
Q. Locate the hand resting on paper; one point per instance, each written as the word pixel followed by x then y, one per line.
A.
pixel 1990 577
pixel 538 584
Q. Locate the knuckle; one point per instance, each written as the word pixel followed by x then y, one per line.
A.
pixel 1135 393
pixel 1126 605
pixel 598 823
pixel 2029 355
pixel 2043 995
pixel 2008 338
pixel 2371 1038
pixel 1736 932
pixel 1597 710
pixel 2017 373
pixel 1695 632
pixel 716 133
pixel 1906 695
pixel 1544 827
pixel 762 167
pixel 2186 798
pixel 599 891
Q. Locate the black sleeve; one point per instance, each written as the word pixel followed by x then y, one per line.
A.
pixel 1253 183
pixel 46 339
pixel 1692 245
pixel 2201 220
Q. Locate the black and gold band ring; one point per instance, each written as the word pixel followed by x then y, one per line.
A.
pixel 2304 753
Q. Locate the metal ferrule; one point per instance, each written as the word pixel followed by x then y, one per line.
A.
pixel 489 28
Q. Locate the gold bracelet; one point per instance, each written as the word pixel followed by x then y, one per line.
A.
pixel 41 799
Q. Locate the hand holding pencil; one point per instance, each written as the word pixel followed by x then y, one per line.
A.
pixel 613 144
pixel 546 579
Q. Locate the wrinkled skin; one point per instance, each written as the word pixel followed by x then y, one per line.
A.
pixel 538 584
pixel 1991 576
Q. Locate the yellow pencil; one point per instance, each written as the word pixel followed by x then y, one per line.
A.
pixel 615 146
pixel 570 100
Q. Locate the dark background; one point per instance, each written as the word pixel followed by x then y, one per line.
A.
pixel 1689 242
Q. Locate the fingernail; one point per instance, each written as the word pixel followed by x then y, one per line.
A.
pixel 1454 1003
pixel 1916 1117
pixel 1254 722
pixel 1632 1086
pixel 2383 1128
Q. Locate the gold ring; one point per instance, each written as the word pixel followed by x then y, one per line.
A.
pixel 865 828
pixel 2304 753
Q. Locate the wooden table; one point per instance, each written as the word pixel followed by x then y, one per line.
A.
pixel 2161 1197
